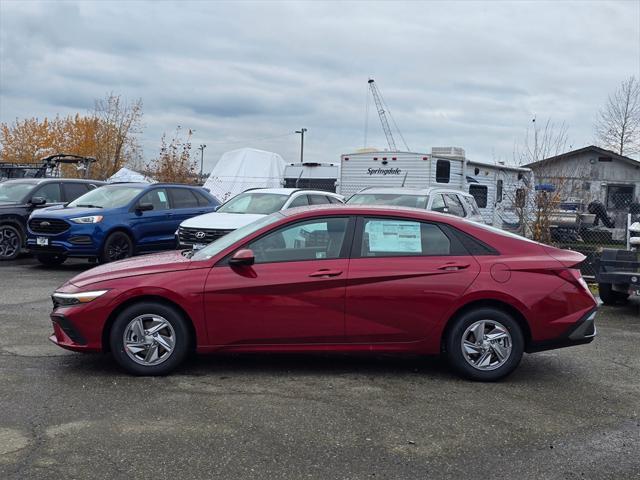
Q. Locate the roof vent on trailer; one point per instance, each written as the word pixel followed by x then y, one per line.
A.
pixel 449 152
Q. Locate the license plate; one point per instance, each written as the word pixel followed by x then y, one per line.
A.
pixel 198 246
pixel 42 241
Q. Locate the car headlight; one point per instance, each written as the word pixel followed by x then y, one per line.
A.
pixel 89 219
pixel 68 299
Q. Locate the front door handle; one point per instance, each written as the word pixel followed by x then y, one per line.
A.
pixel 454 266
pixel 325 272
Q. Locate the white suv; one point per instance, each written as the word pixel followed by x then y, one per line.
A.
pixel 243 209
pixel 436 199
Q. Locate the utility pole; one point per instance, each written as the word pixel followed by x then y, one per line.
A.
pixel 301 132
pixel 201 148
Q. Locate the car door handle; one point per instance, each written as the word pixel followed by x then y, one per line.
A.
pixel 325 272
pixel 454 266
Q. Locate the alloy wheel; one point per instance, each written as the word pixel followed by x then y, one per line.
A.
pixel 118 249
pixel 486 345
pixel 9 242
pixel 149 339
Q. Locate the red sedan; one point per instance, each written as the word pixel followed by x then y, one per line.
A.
pixel 340 279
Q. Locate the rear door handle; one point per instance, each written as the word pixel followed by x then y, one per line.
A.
pixel 454 266
pixel 325 272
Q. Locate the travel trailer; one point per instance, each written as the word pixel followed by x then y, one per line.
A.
pixel 319 176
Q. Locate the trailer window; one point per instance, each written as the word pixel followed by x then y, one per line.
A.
pixel 499 192
pixel 443 171
pixel 521 195
pixel 480 193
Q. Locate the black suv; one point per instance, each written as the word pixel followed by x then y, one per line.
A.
pixel 18 198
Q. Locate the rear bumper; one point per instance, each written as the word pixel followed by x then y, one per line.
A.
pixel 582 332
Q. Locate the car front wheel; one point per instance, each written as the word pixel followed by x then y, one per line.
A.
pixel 11 241
pixel 117 246
pixel 485 344
pixel 149 339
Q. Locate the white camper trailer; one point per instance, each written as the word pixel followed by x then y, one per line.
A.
pixel 318 176
pixel 498 190
pixel 395 169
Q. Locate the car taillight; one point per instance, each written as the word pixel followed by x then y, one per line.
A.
pixel 573 275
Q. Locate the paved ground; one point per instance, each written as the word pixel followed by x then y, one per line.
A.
pixel 566 414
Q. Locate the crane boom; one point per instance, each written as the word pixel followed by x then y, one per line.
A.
pixel 377 98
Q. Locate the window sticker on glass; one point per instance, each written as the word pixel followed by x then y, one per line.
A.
pixel 162 196
pixel 393 236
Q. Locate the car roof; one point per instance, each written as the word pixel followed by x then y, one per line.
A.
pixel 378 210
pixel 410 191
pixel 37 181
pixel 289 191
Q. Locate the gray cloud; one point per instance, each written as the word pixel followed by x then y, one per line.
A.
pixel 453 73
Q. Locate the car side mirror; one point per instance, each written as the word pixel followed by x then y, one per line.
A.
pixel 243 258
pixel 37 201
pixel 144 207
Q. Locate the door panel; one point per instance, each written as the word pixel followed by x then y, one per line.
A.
pixel 277 303
pixel 406 276
pixel 153 229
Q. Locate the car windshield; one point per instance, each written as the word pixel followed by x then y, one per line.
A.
pixel 397 199
pixel 230 238
pixel 255 202
pixel 15 192
pixel 109 196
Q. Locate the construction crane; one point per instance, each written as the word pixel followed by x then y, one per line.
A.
pixel 382 113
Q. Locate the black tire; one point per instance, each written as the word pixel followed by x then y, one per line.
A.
pixel 51 259
pixel 11 242
pixel 609 296
pixel 182 338
pixel 117 246
pixel 454 349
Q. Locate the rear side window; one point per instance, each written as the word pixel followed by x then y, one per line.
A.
pixel 480 193
pixel 438 205
pixel 203 201
pixel 443 171
pixel 382 237
pixel 183 198
pixel 454 205
pixel 333 199
pixel 74 190
pixel 157 197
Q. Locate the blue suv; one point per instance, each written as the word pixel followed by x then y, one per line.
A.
pixel 115 221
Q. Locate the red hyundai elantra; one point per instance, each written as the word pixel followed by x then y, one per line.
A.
pixel 340 279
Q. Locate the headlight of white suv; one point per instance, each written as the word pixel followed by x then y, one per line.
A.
pixel 89 219
pixel 68 299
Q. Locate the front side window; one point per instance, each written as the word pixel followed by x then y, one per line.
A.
pixel 311 240
pixel 74 190
pixel 454 205
pixel 299 201
pixel 438 205
pixel 157 197
pixel 50 192
pixel 255 202
pixel 480 193
pixel 395 237
pixel 108 196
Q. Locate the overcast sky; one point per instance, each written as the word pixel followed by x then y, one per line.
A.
pixel 471 74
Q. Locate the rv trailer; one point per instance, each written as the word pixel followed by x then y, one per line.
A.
pixel 317 176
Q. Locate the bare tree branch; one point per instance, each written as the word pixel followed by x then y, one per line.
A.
pixel 617 125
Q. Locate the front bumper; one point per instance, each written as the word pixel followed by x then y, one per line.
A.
pixel 582 332
pixel 79 241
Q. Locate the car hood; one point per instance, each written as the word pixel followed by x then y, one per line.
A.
pixel 60 211
pixel 221 220
pixel 130 267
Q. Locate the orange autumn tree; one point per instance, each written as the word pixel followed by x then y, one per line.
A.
pixel 108 134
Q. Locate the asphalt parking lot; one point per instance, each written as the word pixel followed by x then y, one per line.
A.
pixel 564 414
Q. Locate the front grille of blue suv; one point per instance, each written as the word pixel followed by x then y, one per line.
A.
pixel 115 221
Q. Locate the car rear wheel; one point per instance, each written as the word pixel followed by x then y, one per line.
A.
pixel 149 339
pixel 11 241
pixel 609 296
pixel 118 246
pixel 485 344
pixel 51 260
